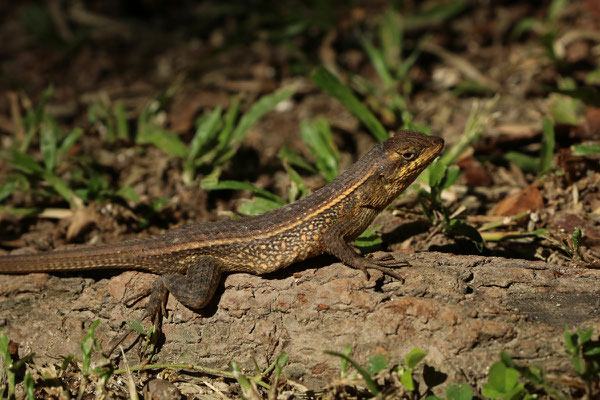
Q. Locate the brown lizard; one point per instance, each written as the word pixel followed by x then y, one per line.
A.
pixel 192 258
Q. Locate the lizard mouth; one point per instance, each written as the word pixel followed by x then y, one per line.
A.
pixel 438 146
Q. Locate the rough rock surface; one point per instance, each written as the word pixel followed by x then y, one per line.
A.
pixel 462 310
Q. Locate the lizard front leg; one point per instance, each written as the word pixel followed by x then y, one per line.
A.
pixel 338 247
pixel 193 290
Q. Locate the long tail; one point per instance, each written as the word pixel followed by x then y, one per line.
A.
pixel 126 255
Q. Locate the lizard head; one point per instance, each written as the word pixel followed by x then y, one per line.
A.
pixel 405 155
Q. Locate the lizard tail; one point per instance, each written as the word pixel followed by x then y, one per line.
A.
pixel 85 258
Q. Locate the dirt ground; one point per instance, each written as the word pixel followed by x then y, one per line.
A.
pixel 461 306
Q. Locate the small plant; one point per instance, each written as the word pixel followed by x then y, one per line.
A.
pixel 542 164
pixel 332 85
pixel 406 373
pixel 547 28
pixel 150 338
pixel 389 98
pixel 249 384
pixel 11 369
pixel 441 177
pixel 217 136
pixel 441 174
pixel 375 364
pixel 109 119
pixel 56 173
pixel 585 357
pixel 572 245
pixel 318 138
pixel 456 392
pixel 503 383
pixel 104 370
pixel 505 376
pixel 54 144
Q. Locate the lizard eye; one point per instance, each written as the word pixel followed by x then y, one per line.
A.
pixel 408 155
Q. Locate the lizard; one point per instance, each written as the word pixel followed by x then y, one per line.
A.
pixel 191 259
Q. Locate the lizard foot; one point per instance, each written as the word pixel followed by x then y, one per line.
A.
pixel 383 264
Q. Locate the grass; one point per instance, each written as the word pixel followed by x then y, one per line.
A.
pixel 506 379
pixel 41 158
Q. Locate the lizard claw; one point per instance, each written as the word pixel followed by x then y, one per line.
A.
pixel 388 271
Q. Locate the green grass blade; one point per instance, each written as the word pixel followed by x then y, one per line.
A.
pixel 121 128
pixel 585 149
pixel 523 161
pixel 378 60
pixel 298 187
pixel 165 140
pixel 256 111
pixel 49 143
pixel 329 83
pixel 555 9
pixel 371 385
pixel 257 205
pixel 319 139
pixel 70 140
pixel 205 132
pixel 434 15
pixel 286 154
pixel 62 189
pixel 241 378
pixel 25 163
pixel 6 190
pixel 34 118
pixel 237 185
pixel 391 37
pixel 230 117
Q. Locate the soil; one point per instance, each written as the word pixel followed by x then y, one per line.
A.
pixel 461 306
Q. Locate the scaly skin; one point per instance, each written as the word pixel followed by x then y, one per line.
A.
pixel 192 258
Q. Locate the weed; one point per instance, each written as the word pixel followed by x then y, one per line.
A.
pixel 389 99
pixel 542 165
pixel 406 373
pixel 318 138
pixel 109 119
pixel 441 174
pixel 54 145
pixel 217 137
pixel 332 85
pixel 365 373
pixel 571 246
pixel 57 173
pixel 585 357
pixel 503 382
pixel 547 29
pixel 11 368
pixel 585 149
pixel 103 370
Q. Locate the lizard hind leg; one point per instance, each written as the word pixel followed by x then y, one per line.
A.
pixel 194 289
